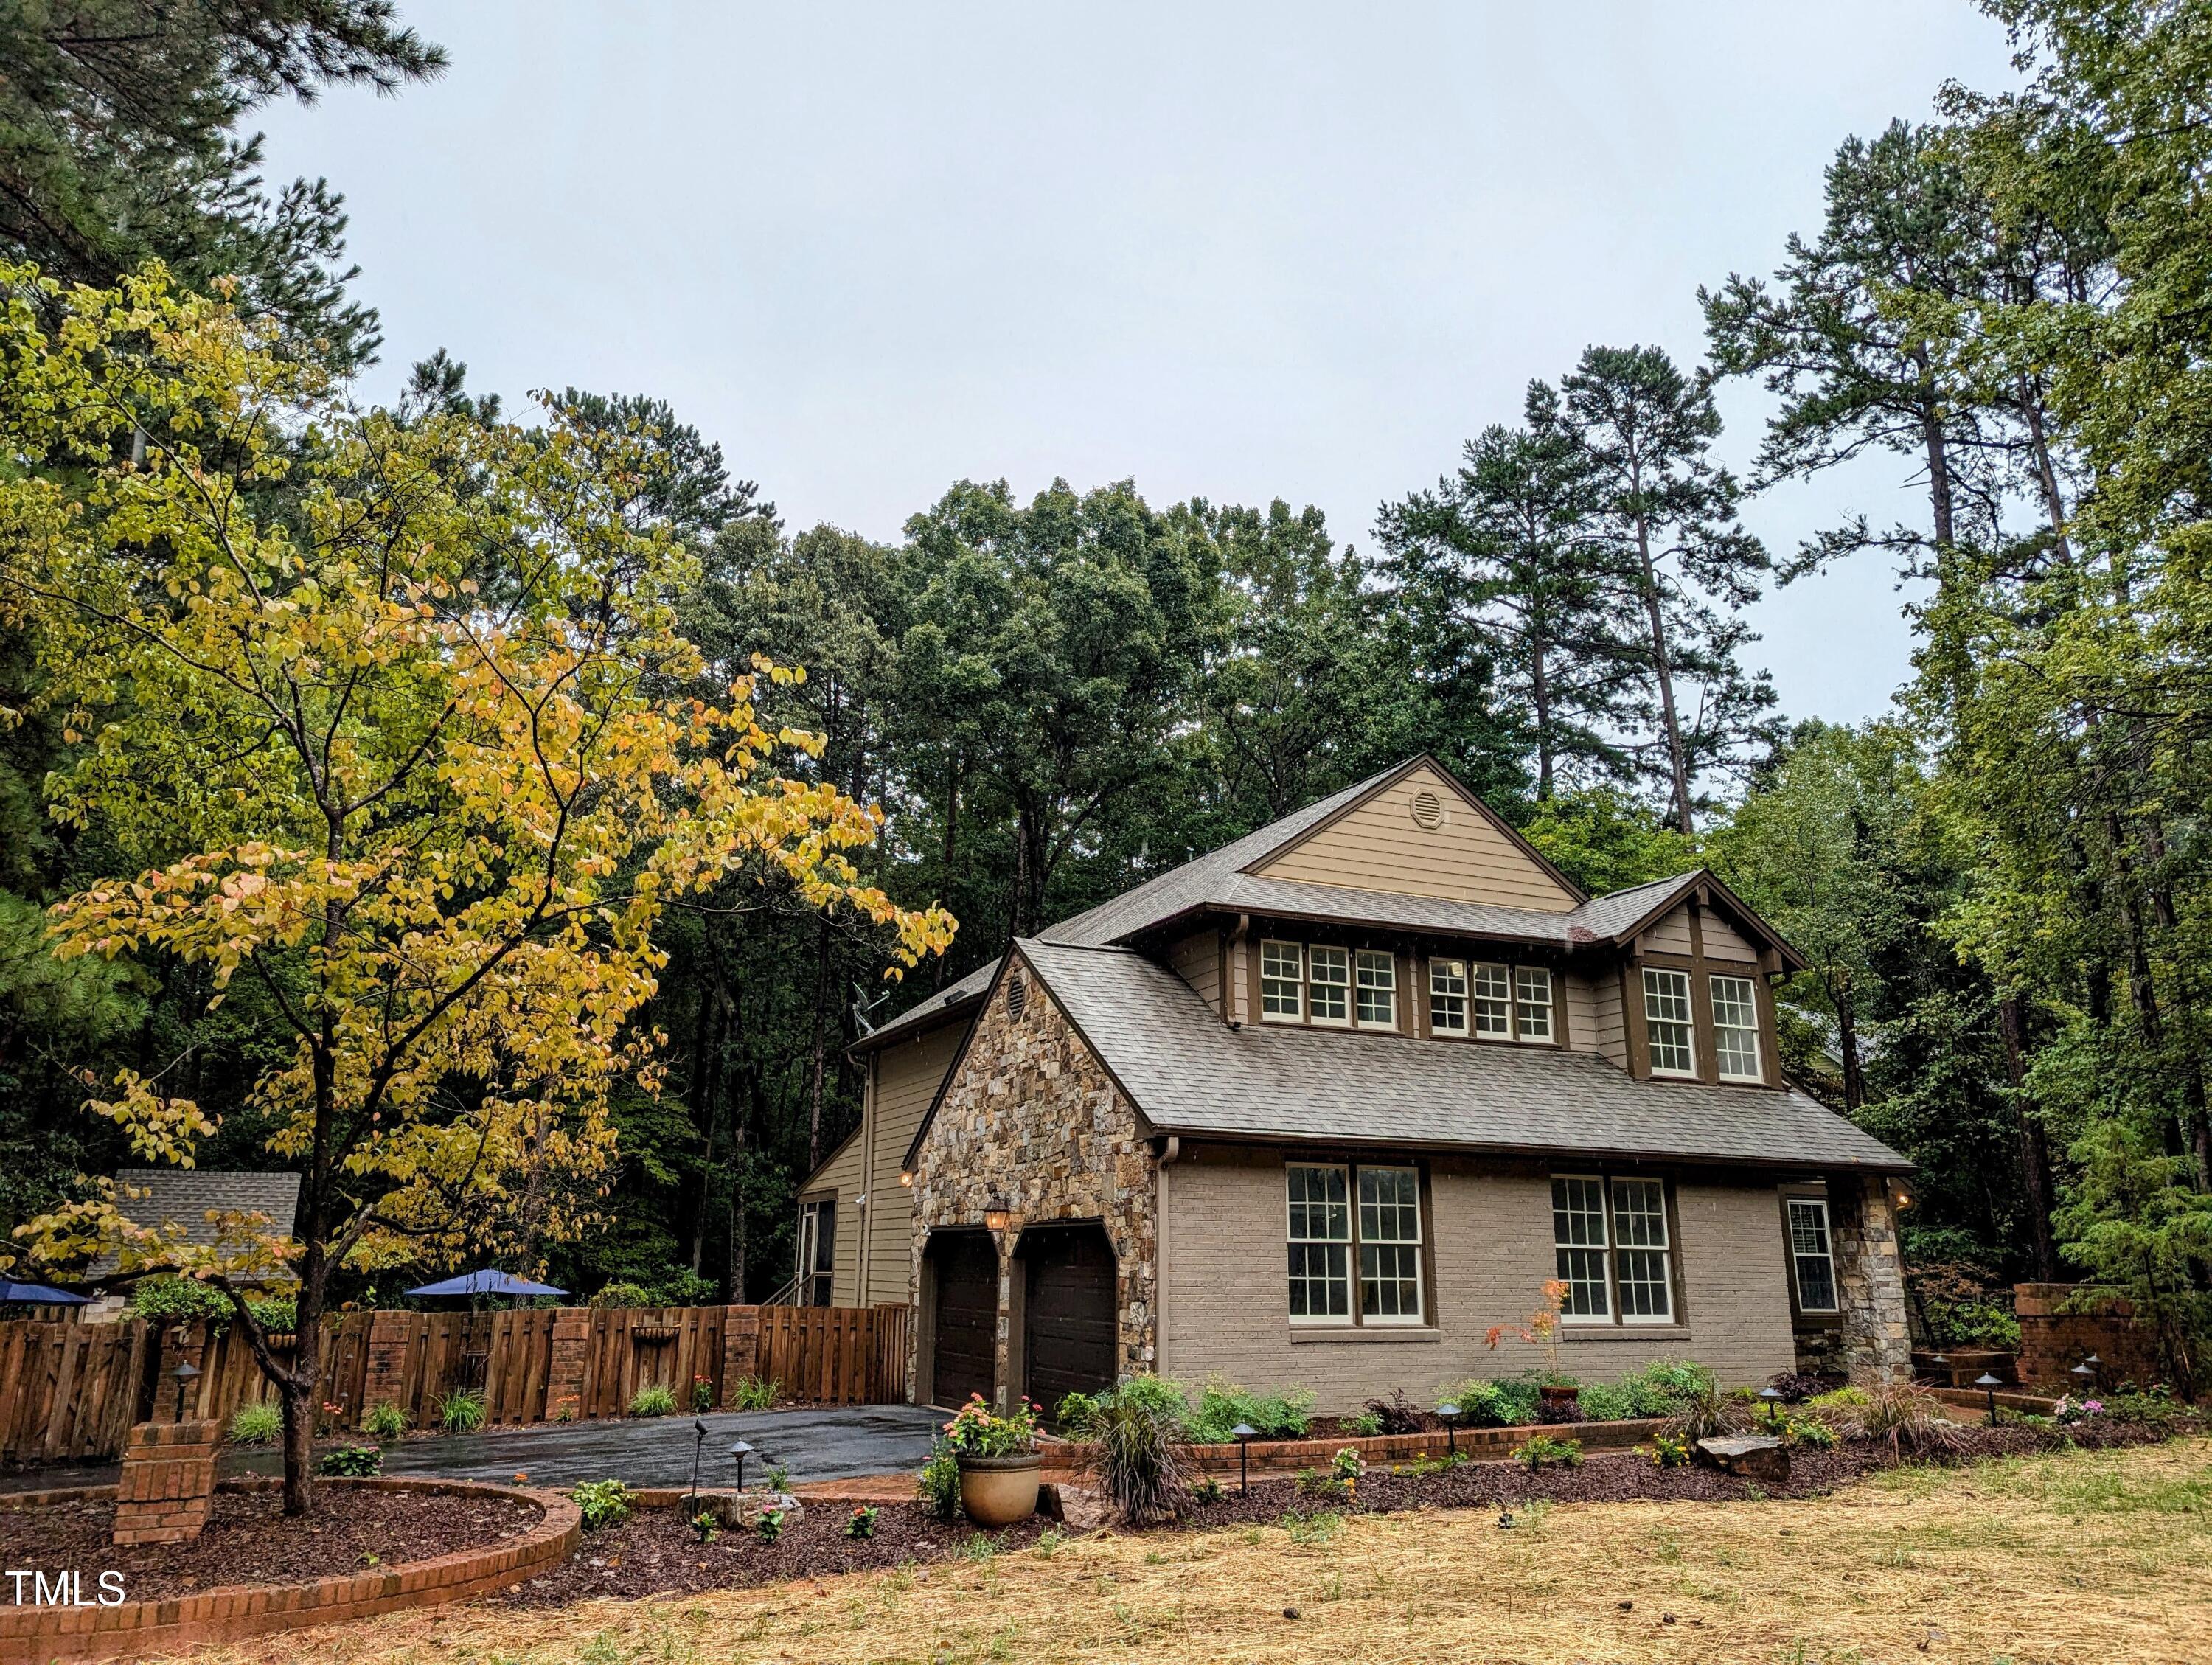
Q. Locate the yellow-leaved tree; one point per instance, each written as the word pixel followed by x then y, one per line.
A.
pixel 396 717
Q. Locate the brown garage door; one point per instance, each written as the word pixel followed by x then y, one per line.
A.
pixel 1068 1314
pixel 966 1324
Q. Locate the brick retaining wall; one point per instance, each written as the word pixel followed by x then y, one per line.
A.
pixel 1288 1456
pixel 137 1629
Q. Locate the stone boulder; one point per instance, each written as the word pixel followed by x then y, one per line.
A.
pixel 740 1511
pixel 1755 1456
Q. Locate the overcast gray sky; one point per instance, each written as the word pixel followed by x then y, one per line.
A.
pixel 1237 251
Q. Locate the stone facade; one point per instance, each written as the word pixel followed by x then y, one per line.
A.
pixel 168 1482
pixel 1032 1123
pixel 1870 1278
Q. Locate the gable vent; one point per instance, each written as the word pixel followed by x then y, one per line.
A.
pixel 1428 811
pixel 1018 995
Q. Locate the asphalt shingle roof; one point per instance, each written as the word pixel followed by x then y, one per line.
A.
pixel 184 1197
pixel 1191 1073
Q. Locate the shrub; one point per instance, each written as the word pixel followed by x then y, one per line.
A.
pixel 1542 1451
pixel 779 1477
pixel 1835 1403
pixel 1909 1419
pixel 1664 1387
pixel 1206 1491
pixel 384 1420
pixel 2153 1405
pixel 862 1521
pixel 601 1502
pixel 1605 1401
pixel 1222 1405
pixel 655 1398
pixel 623 1295
pixel 1073 1408
pixel 770 1526
pixel 1331 1488
pixel 1670 1452
pixel 1488 1404
pixel 256 1425
pixel 461 1411
pixel 685 1288
pixel 1809 1432
pixel 1798 1386
pixel 352 1461
pixel 1132 1433
pixel 940 1481
pixel 1367 1424
pixel 703 1392
pixel 751 1394
pixel 1397 1415
pixel 189 1301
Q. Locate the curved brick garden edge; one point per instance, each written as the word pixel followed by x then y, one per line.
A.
pixel 231 1612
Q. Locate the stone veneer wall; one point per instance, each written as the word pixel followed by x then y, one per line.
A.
pixel 1869 1278
pixel 1032 1122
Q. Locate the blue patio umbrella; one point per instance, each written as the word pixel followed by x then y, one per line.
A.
pixel 489 1281
pixel 12 1292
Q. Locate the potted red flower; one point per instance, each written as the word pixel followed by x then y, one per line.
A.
pixel 998 1462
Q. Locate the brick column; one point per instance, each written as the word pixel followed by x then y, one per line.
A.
pixel 1870 1278
pixel 391 1336
pixel 168 1482
pixel 182 1344
pixel 740 1346
pixel 564 1374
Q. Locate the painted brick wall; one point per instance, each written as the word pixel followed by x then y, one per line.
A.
pixel 1223 1299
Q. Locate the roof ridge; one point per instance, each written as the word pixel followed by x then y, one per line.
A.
pixel 1648 884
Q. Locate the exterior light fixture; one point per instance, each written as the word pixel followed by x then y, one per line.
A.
pixel 907 1178
pixel 741 1451
pixel 1901 1195
pixel 2096 1368
pixel 1941 1363
pixel 997 1217
pixel 1771 1396
pixel 1451 1415
pixel 698 1444
pixel 183 1375
pixel 1243 1433
pixel 1988 1385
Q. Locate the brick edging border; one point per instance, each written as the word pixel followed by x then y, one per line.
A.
pixel 1283 1456
pixel 232 1612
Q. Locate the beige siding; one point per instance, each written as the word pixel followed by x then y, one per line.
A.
pixel 1224 1307
pixel 1723 942
pixel 1610 1027
pixel 1670 935
pixel 841 1178
pixel 1380 847
pixel 907 1075
pixel 1197 961
pixel 1584 1032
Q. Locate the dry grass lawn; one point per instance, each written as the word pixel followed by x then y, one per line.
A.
pixel 2077 1557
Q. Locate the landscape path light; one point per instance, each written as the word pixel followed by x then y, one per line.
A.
pixel 1771 1396
pixel 2096 1368
pixel 1988 1385
pixel 183 1375
pixel 698 1444
pixel 741 1451
pixel 2089 1378
pixel 1451 1415
pixel 1243 1433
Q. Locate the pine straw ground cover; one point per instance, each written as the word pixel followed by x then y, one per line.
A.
pixel 2065 1556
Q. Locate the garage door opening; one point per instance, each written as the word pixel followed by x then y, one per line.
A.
pixel 1068 1312
pixel 964 1273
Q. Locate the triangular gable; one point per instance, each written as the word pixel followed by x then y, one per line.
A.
pixel 1421 833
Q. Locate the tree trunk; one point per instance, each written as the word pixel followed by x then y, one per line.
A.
pixel 1540 698
pixel 1678 764
pixel 2035 1145
pixel 820 1046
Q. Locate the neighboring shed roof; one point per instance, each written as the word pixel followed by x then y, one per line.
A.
pixel 185 1197
pixel 1190 1073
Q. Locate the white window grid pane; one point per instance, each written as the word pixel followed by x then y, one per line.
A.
pixel 1320 1280
pixel 1532 1003
pixel 1639 1227
pixel 1320 1242
pixel 1735 1028
pixel 1447 996
pixel 1390 1283
pixel 1282 981
pixel 1321 1207
pixel 1390 1205
pixel 1667 1021
pixel 1815 1260
pixel 1646 1293
pixel 1328 980
pixel 1578 1233
pixel 1493 1002
pixel 1378 989
pixel 1639 1213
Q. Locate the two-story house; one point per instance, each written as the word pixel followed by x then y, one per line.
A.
pixel 1324 1106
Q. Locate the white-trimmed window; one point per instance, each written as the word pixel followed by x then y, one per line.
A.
pixel 1639 1230
pixel 1321 1244
pixel 1735 1029
pixel 1580 1243
pixel 1343 1216
pixel 1328 985
pixel 1667 1022
pixel 1812 1255
pixel 1493 1002
pixel 1532 1003
pixel 1448 997
pixel 1282 982
pixel 1389 1246
pixel 1378 975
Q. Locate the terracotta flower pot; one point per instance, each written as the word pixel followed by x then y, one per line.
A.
pixel 998 1492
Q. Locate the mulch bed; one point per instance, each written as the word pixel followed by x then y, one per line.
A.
pixel 248 1541
pixel 654 1554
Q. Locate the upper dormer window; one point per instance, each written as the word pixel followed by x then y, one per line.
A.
pixel 1490 1002
pixel 1735 1029
pixel 1667 1022
pixel 1321 983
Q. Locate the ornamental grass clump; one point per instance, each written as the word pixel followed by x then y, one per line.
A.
pixel 1909 1419
pixel 1132 1433
pixel 657 1399
pixel 256 1425
pixel 385 1422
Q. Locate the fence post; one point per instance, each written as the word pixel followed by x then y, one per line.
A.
pixel 391 1333
pixel 740 1347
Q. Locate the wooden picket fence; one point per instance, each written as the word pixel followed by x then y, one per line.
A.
pixel 71 1391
